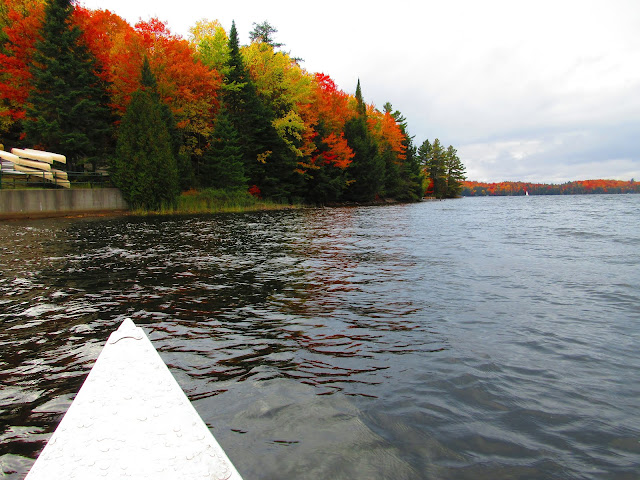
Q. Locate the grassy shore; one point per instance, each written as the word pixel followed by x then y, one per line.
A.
pixel 216 201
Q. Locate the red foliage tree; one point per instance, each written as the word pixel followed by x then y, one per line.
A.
pixel 188 86
pixel 329 112
pixel 15 58
pixel 117 47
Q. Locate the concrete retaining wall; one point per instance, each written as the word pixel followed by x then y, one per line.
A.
pixel 52 202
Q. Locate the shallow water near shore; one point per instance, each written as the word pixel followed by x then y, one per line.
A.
pixel 480 338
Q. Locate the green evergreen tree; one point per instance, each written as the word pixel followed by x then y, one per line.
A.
pixel 361 108
pixel 455 173
pixel 433 158
pixel 67 109
pixel 367 169
pixel 145 168
pixel 263 32
pixel 404 180
pixel 223 167
pixel 268 162
pixel 149 82
pixel 324 186
pixel 392 187
pixel 443 168
pixel 424 152
pixel 413 184
pixel 438 169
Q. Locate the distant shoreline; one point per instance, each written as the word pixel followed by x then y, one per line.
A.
pixel 579 187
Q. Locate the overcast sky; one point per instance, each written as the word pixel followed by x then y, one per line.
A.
pixel 532 90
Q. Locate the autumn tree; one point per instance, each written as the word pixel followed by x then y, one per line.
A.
pixel 189 87
pixel 67 108
pixel 119 50
pixel 144 167
pixel 20 22
pixel 211 43
pixel 288 91
pixel 8 11
pixel 389 138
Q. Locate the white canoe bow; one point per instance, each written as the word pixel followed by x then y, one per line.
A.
pixel 132 420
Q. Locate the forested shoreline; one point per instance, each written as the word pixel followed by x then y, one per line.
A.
pixel 580 187
pixel 165 115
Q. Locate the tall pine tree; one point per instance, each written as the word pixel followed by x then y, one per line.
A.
pixel 67 109
pixel 455 172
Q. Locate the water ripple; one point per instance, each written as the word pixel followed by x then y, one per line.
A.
pixel 483 338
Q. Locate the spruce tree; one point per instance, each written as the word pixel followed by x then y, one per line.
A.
pixel 67 109
pixel 145 168
pixel 361 108
pixel 223 167
pixel 267 161
pixel 149 82
pixel 367 169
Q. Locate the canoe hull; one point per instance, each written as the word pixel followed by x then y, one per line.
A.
pixel 130 419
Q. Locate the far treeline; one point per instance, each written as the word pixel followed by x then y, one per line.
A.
pixel 165 115
pixel 479 189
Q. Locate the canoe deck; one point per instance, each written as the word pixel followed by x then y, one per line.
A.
pixel 132 420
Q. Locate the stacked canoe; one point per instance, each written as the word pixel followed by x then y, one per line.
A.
pixel 35 163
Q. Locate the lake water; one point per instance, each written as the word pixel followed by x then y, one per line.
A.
pixel 481 338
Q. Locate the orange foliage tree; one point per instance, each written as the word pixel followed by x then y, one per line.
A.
pixel 328 113
pixel 186 84
pixel 20 31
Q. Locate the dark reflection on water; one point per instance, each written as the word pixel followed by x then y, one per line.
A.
pixel 482 338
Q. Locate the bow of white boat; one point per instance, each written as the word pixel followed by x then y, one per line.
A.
pixel 131 419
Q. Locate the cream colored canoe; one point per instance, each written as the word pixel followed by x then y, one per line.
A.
pixel 9 157
pixel 32 171
pixel 44 156
pixel 62 183
pixel 32 164
pixel 60 174
pixel 131 420
pixel 33 155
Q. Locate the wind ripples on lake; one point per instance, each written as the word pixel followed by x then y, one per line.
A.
pixel 479 338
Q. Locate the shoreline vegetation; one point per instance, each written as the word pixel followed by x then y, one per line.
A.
pixel 212 201
pixel 216 201
pixel 166 115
